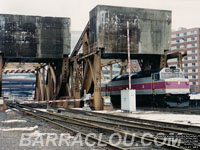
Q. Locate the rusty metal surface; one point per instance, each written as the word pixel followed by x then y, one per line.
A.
pixel 34 37
pixel 149 29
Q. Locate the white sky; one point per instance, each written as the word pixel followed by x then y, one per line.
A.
pixel 185 13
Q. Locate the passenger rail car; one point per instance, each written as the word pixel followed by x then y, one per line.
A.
pixel 157 88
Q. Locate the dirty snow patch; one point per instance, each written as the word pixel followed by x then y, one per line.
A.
pixel 44 110
pixel 15 109
pixel 19 129
pixel 160 116
pixel 8 110
pixel 14 121
pixel 11 110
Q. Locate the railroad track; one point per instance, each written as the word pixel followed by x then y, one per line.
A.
pixel 92 122
pixel 132 120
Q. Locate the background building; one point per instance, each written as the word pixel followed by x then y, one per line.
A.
pixel 187 40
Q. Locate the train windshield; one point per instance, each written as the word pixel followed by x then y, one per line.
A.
pixel 172 73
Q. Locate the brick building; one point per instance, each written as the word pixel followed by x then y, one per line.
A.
pixel 187 40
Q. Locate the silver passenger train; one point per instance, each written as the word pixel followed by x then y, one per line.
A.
pixel 165 87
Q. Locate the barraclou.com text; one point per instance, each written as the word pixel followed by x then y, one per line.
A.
pixel 54 139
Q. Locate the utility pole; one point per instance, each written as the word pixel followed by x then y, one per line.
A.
pixel 129 59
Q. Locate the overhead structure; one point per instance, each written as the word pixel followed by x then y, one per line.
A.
pixel 34 38
pixel 150 30
pixel 104 43
pixel 21 67
pixel 35 44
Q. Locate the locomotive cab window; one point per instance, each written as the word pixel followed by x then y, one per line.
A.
pixel 172 73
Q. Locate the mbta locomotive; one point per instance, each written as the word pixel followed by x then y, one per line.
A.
pixel 166 87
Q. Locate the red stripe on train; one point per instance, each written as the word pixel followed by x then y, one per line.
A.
pixel 148 86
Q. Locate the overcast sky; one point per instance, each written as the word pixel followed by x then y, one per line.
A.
pixel 185 13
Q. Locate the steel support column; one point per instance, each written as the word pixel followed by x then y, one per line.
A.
pixel 1 69
pixel 43 81
pixel 111 72
pixel 163 61
pixel 77 94
pixel 98 103
pixel 180 57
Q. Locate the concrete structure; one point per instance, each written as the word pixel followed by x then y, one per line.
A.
pixel 150 30
pixel 34 37
pixel 187 41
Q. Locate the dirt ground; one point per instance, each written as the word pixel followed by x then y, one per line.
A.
pixel 13 124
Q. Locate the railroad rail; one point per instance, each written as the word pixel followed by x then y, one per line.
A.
pixel 122 118
pixel 94 122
